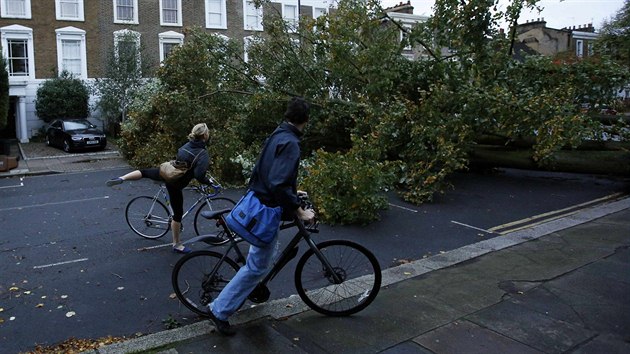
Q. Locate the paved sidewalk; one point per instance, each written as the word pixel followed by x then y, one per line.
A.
pixel 559 287
pixel 62 162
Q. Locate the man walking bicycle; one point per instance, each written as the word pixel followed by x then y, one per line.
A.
pixel 274 182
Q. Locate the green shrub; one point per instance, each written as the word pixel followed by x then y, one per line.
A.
pixel 62 97
pixel 345 188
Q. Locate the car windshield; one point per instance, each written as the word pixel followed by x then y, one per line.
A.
pixel 77 125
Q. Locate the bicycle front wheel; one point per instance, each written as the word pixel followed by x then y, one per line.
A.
pixel 148 217
pixel 204 226
pixel 358 278
pixel 199 277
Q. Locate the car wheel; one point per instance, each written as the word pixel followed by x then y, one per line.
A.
pixel 47 140
pixel 66 146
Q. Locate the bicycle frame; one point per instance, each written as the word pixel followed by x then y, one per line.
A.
pixel 203 196
pixel 288 253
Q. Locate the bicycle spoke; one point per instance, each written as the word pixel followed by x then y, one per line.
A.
pixel 357 269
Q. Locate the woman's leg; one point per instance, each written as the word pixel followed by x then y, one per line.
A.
pixel 177 203
pixel 152 173
pixel 133 175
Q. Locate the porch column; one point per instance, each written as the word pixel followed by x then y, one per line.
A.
pixel 21 127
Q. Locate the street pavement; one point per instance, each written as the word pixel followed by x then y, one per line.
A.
pixel 556 287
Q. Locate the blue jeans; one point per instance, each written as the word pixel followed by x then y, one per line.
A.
pixel 259 262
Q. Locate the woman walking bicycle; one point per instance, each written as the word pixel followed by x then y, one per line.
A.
pixel 195 155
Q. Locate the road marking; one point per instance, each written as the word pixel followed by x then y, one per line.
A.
pixel 472 227
pixel 403 208
pixel 57 203
pixel 153 247
pixel 60 263
pixel 549 216
pixel 15 186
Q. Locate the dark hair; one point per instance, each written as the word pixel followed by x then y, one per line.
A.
pixel 297 110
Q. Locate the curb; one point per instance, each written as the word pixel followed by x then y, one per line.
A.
pixel 293 305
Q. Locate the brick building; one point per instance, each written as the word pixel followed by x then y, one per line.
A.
pixel 40 38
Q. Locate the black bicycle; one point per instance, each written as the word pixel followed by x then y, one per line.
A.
pixel 335 277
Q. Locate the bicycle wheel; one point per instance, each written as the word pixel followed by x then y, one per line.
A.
pixel 354 264
pixel 148 217
pixel 204 226
pixel 199 277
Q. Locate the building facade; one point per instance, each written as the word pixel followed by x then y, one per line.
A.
pixel 549 41
pixel 40 38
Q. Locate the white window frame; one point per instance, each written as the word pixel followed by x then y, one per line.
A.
pixel 125 33
pixel 250 5
pixel 291 19
pixel 223 5
pixel 5 14
pixel 170 37
pixel 403 37
pixel 179 14
pixel 135 13
pixel 247 42
pixel 319 11
pixel 579 48
pixel 72 34
pixel 80 15
pixel 18 32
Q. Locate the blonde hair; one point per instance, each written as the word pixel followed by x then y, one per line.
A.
pixel 198 131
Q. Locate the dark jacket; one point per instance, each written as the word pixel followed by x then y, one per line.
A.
pixel 274 179
pixel 198 170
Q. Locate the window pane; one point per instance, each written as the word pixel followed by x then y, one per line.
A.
pixel 167 48
pixel 69 8
pixel 18 57
pixel 16 7
pixel 124 10
pixel 71 56
pixel 169 11
pixel 214 19
pixel 252 17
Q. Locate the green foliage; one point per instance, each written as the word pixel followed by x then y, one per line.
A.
pixel 345 188
pixel 124 78
pixel 62 97
pixel 374 113
pixel 614 38
pixel 4 92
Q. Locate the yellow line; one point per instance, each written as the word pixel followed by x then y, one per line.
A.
pixel 540 216
pixel 537 223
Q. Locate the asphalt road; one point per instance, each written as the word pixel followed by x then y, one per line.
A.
pixel 71 267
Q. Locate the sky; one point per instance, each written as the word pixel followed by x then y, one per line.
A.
pixel 558 14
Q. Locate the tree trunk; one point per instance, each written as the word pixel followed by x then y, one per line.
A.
pixel 608 162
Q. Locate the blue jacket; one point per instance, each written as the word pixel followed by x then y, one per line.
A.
pixel 274 179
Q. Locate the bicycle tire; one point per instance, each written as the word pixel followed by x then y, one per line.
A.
pixel 148 217
pixel 354 264
pixel 199 277
pixel 204 226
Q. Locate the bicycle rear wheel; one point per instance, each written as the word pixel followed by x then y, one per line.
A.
pixel 204 226
pixel 355 265
pixel 148 217
pixel 199 277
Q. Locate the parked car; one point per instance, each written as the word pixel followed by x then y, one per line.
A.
pixel 75 134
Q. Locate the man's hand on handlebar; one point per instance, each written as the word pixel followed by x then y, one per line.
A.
pixel 308 215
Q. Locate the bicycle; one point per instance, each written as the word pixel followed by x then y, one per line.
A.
pixel 150 218
pixel 334 277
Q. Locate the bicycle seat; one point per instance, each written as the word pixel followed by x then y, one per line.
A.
pixel 214 214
